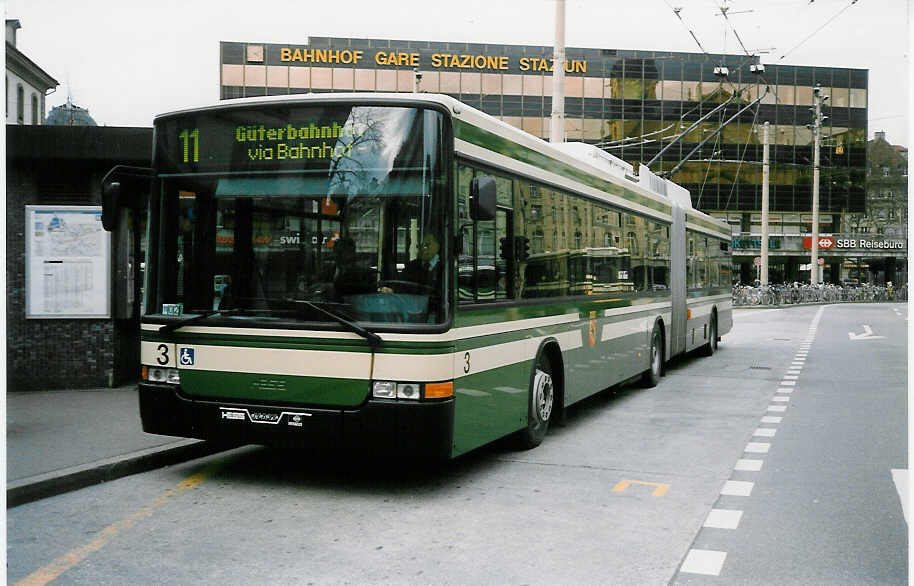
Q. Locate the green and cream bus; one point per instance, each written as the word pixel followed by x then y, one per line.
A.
pixel 353 270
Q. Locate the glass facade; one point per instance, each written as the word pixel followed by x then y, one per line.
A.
pixel 631 103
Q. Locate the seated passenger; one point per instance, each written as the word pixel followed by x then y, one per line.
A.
pixel 350 278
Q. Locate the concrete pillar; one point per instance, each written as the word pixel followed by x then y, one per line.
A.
pixel 890 269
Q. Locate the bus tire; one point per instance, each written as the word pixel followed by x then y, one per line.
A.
pixel 540 406
pixel 651 376
pixel 710 348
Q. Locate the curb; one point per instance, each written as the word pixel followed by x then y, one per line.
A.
pixel 33 488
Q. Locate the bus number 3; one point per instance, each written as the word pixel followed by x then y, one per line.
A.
pixel 162 358
pixel 466 365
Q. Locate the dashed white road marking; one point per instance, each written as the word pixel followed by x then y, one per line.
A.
pixel 777 408
pixel 704 561
pixel 789 383
pixel 757 447
pixel 771 419
pixel 790 377
pixel 765 432
pixel 723 519
pixel 748 465
pixel 901 478
pixel 781 399
pixel 737 488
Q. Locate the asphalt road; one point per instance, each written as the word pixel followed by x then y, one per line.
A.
pixel 620 495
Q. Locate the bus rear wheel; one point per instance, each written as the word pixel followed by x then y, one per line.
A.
pixel 539 406
pixel 711 347
pixel 651 376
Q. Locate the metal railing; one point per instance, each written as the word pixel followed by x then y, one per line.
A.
pixel 796 293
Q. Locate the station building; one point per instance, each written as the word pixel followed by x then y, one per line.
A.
pixel 631 103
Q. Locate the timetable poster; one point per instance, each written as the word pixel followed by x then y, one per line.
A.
pixel 67 255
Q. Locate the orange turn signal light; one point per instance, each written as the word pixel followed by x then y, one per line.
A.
pixel 144 373
pixel 439 390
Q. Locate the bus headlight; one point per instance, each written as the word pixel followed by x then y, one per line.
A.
pixel 411 391
pixel 383 389
pixel 162 375
pixel 408 391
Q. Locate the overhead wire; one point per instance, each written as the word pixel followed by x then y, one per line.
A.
pixel 742 157
pixel 624 142
pixel 815 32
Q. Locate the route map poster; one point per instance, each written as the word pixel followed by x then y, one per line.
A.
pixel 68 262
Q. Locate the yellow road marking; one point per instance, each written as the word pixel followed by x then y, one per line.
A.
pixel 72 558
pixel 659 487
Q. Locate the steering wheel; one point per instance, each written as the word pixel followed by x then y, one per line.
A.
pixel 406 286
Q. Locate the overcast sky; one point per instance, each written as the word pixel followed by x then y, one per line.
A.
pixel 127 60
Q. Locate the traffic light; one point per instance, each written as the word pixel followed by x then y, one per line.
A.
pixel 521 247
pixel 504 248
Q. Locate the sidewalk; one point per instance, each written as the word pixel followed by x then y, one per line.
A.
pixel 58 441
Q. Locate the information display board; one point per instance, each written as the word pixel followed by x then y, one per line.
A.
pixel 67 263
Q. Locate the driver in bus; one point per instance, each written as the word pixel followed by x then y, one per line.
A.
pixel 424 269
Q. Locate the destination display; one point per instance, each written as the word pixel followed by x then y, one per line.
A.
pixel 302 138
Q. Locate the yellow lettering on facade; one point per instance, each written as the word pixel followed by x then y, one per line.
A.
pixel 436 60
pixel 524 64
pixel 285 54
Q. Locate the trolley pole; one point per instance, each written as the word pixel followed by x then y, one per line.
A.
pixel 816 125
pixel 557 124
pixel 765 171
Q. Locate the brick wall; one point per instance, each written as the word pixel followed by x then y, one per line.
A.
pixel 63 166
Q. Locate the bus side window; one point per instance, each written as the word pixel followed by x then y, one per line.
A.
pixel 466 275
pixel 483 275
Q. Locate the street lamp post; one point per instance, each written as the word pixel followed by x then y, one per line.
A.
pixel 557 123
pixel 816 125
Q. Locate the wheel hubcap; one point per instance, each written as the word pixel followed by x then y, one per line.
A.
pixel 543 396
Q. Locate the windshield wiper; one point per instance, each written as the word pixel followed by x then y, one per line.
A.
pixel 374 340
pixel 205 314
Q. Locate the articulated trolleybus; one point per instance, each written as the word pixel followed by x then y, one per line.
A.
pixel 402 273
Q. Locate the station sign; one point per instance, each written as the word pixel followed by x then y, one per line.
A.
pixel 381 57
pixel 752 242
pixel 869 244
pixel 825 242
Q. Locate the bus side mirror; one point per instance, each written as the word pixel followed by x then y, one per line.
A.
pixel 483 199
pixel 111 193
pixel 123 187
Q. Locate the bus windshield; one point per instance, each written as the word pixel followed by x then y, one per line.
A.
pixel 302 214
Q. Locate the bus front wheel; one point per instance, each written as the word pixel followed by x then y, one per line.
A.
pixel 539 406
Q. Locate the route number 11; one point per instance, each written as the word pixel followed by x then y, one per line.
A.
pixel 190 138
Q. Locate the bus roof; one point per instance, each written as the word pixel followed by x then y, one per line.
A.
pixel 655 194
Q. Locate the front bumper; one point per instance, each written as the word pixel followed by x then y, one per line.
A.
pixel 377 428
